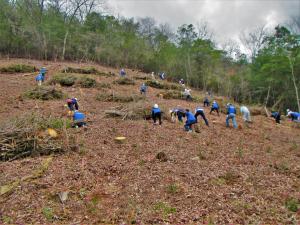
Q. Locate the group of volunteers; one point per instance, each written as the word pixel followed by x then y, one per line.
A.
pixel 177 112
pixel 192 118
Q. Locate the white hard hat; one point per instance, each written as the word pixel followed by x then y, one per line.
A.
pixel 155 106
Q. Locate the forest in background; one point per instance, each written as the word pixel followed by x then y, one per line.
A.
pixel 77 30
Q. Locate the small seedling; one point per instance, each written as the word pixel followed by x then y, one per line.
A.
pixel 172 188
pixel 240 152
pixel 164 208
pixel 142 162
pixel 201 155
pixel 292 204
pixel 269 149
pixel 48 213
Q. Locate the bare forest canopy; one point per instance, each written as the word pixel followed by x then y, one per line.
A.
pixel 76 30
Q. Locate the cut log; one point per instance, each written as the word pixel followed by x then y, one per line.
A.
pixel 120 140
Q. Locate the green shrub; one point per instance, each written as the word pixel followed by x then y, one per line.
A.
pixel 48 213
pixel 292 204
pixel 172 188
pixel 162 85
pixel 44 93
pixel 117 98
pixel 18 68
pixel 57 123
pixel 63 80
pixel 164 208
pixel 80 70
pixel 87 82
pixel 124 81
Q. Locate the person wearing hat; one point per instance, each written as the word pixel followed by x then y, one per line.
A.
pixel 190 120
pixel 295 116
pixel 72 104
pixel 179 112
pixel 246 114
pixel 231 113
pixel 200 112
pixel 143 89
pixel 78 119
pixel 187 94
pixel 122 72
pixel 214 107
pixel 156 114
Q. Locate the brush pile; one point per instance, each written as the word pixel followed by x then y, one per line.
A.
pixel 28 137
pixel 112 97
pixel 163 85
pixel 134 111
pixel 44 93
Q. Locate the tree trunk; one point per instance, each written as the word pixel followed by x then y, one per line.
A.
pixel 294 81
pixel 65 42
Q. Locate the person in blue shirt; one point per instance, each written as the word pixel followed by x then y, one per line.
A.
pixel 39 79
pixel 200 112
pixel 295 116
pixel 78 119
pixel 179 112
pixel 206 102
pixel 156 114
pixel 231 113
pixel 190 120
pixel 43 71
pixel 122 72
pixel 72 104
pixel 276 116
pixel 143 89
pixel 214 107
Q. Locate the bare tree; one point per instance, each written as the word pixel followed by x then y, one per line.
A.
pixel 231 47
pixel 203 30
pixel 254 40
pixel 77 9
pixel 294 24
pixel 147 26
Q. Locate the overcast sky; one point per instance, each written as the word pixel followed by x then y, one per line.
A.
pixel 227 18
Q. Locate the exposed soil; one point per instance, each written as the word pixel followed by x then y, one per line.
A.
pixel 220 175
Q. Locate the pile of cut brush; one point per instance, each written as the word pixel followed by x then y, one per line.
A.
pixel 140 110
pixel 134 111
pixel 28 140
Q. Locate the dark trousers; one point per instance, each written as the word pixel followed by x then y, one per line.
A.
pixel 156 116
pixel 201 113
pixel 180 115
pixel 277 118
pixel 188 125
pixel 79 124
pixel 206 103
pixel 214 109
pixel 72 106
pixel 189 98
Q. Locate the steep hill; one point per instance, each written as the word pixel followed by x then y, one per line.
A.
pixel 250 175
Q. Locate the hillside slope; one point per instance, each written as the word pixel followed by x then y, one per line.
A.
pixel 220 175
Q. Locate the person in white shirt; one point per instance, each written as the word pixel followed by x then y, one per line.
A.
pixel 246 114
